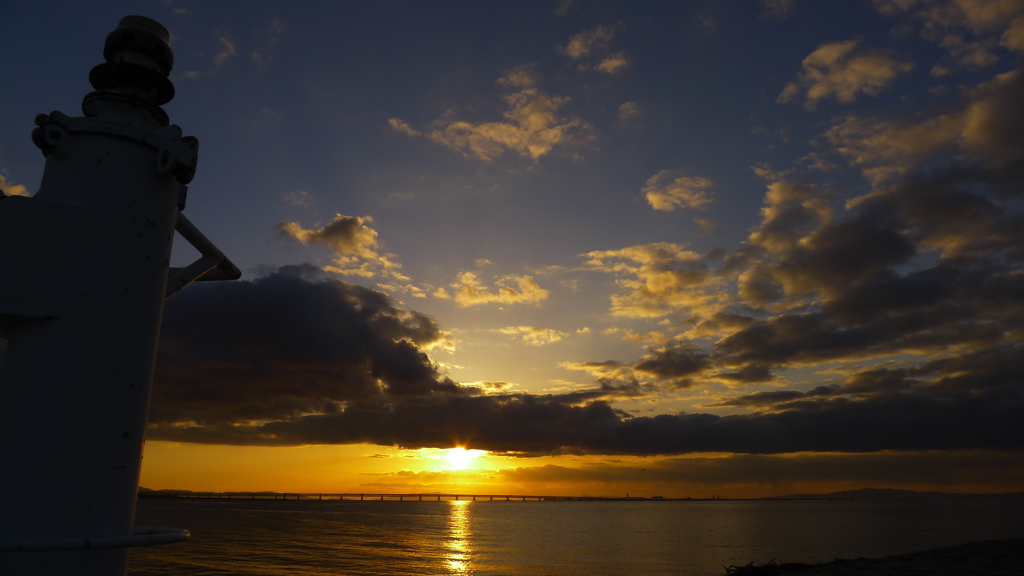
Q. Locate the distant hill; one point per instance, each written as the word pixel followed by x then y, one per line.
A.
pixel 149 492
pixel 895 495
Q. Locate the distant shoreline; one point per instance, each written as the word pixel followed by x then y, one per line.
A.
pixel 867 494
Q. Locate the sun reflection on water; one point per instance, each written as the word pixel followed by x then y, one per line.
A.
pixel 458 554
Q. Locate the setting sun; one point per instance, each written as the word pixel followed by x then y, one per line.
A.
pixel 460 458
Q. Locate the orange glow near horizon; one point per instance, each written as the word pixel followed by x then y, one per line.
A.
pixel 368 468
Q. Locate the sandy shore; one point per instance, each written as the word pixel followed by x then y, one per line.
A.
pixel 994 558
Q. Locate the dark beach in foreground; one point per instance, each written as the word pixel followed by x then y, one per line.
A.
pixel 992 558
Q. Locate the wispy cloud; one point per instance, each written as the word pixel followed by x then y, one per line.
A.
pixel 564 6
pixel 589 45
pixel 671 189
pixel 587 42
pixel 512 289
pixel 534 335
pixel 226 51
pixel 265 54
pixel 613 64
pixel 777 8
pixel 706 20
pixel 11 189
pixel 836 70
pixel 399 126
pixel 970 31
pixel 297 197
pixel 628 110
pixel 532 127
pixel 887 148
pixel 659 279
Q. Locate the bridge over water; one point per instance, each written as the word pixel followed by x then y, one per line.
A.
pixel 380 496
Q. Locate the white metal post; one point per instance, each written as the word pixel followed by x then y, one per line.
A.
pixel 84 265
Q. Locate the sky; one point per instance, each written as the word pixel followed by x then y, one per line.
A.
pixel 580 247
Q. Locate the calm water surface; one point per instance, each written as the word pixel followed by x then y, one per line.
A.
pixel 559 538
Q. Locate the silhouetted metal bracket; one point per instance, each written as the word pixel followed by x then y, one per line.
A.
pixel 139 537
pixel 212 265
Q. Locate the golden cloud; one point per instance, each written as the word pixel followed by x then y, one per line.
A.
pixel 399 126
pixel 969 30
pixel 670 189
pixel 594 43
pixel 1013 38
pixel 354 244
pixel 629 335
pixel 965 54
pixel 533 335
pixel 660 278
pixel 886 148
pixel 791 211
pixel 583 44
pixel 11 189
pixel 613 64
pixel 833 70
pixel 607 369
pixel 531 129
pixel 470 291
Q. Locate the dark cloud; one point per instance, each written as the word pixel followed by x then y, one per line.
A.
pixel 281 345
pixel 290 359
pixel 537 425
pixel 676 360
pixel 763 398
pixel 748 373
pixel 930 262
pixel 949 377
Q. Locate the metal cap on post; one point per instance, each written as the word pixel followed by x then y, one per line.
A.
pixel 80 307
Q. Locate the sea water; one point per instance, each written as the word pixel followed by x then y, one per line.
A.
pixel 310 537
